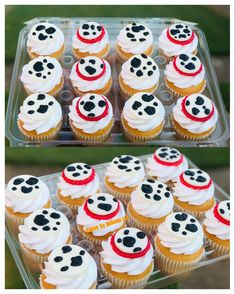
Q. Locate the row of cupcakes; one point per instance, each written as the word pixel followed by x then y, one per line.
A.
pixel 184 75
pixel 91 38
pixel 91 117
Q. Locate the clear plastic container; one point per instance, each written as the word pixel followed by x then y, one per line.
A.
pixel 113 26
pixel 157 280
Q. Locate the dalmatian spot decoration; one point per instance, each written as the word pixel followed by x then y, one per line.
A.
pixel 198 107
pixel 39 106
pixel 25 185
pixel 222 212
pixel 42 67
pixel 127 163
pixel 46 221
pixel 187 64
pixel 154 190
pixel 137 32
pixel 183 225
pixel 92 107
pixel 102 206
pixel 180 33
pixel 71 260
pixel 195 179
pixel 143 67
pixel 90 68
pixel 146 105
pixel 90 32
pixel 130 243
pixel 168 156
pixel 44 32
pixel 78 174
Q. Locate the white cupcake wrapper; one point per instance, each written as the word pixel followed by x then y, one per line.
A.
pixel 169 266
pixel 118 283
pixel 177 95
pixel 200 215
pixel 124 197
pixel 14 222
pixel 219 250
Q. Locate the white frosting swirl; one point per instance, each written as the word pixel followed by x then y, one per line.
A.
pixel 176 241
pixel 87 221
pixel 165 173
pixel 152 199
pixel 86 126
pixel 128 177
pixel 144 81
pixel 149 114
pixel 59 272
pixel 35 119
pixel 192 196
pixel 182 81
pixel 45 39
pixel 171 49
pixel 43 79
pixel 193 126
pixel 135 42
pixel 85 85
pixel 78 191
pixel 90 47
pixel 44 230
pixel 19 197
pixel 215 227
pixel 119 264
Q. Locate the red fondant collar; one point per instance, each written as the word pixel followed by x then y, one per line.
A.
pixel 182 43
pixel 186 73
pixel 90 78
pixel 219 217
pixel 79 182
pixel 93 118
pixel 128 255
pixel 192 186
pixel 169 163
pixel 94 40
pixel 200 119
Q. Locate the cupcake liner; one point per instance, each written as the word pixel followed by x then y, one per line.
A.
pixel 197 214
pixel 98 54
pixel 99 138
pixel 14 222
pixel 178 95
pixel 53 134
pixel 147 228
pixel 169 266
pixel 190 137
pixel 137 138
pixel 124 197
pixel 123 58
pixel 118 283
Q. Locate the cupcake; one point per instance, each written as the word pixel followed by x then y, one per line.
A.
pixel 194 192
pixel 123 175
pixel 91 38
pixel 77 182
pixel 135 38
pixel 185 75
pixel 24 195
pixel 91 117
pixel 91 74
pixel 194 117
pixel 40 117
pixel 139 73
pixel 177 39
pixel 45 39
pixel 69 267
pixel 127 258
pixel 179 243
pixel 42 74
pixel 150 203
pixel 166 165
pixel 100 216
pixel 142 117
pixel 42 231
pixel 217 228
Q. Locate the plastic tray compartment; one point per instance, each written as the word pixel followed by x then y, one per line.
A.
pixel 157 280
pixel 113 26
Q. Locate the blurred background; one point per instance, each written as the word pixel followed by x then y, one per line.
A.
pixel 44 161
